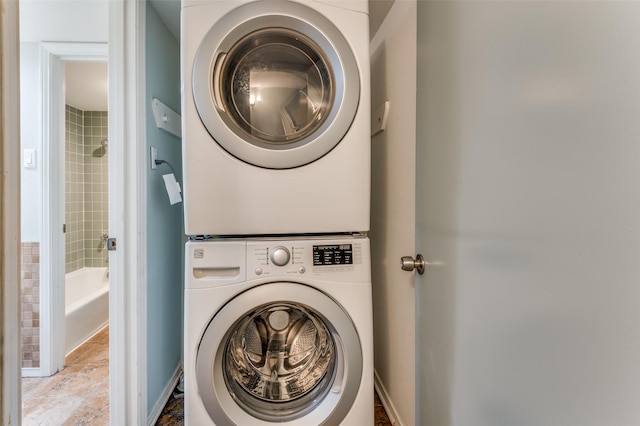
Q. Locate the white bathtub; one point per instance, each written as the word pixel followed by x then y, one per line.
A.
pixel 86 305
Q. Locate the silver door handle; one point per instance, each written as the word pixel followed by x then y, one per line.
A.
pixel 409 263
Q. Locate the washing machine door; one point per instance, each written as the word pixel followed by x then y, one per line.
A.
pixel 279 352
pixel 276 84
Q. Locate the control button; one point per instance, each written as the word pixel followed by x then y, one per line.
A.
pixel 280 256
pixel 302 270
pixel 258 271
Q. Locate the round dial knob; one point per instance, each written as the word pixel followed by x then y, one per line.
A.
pixel 280 256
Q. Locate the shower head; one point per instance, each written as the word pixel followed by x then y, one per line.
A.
pixel 104 143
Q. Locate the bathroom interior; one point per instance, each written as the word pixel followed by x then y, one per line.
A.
pixel 86 203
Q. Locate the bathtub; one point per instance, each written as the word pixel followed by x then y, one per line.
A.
pixel 86 305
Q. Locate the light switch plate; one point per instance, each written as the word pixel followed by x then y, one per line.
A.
pixel 29 158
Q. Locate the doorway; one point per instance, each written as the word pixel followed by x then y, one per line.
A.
pixel 91 23
pixel 74 209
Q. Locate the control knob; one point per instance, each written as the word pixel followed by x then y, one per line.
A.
pixel 280 256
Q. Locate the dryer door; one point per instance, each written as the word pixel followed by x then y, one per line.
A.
pixel 279 352
pixel 276 84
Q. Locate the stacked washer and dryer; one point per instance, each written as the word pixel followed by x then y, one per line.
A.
pixel 276 164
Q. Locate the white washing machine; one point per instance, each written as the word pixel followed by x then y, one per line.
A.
pixel 278 331
pixel 276 116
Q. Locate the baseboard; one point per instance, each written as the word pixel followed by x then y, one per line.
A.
pixel 165 395
pixel 31 372
pixel 385 400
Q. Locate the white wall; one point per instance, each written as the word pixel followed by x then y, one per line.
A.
pixel 393 78
pixel 46 21
pixel 64 20
pixel 31 138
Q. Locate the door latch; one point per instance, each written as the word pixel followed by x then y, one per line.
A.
pixel 111 244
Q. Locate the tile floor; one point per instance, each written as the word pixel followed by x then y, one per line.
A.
pixel 79 394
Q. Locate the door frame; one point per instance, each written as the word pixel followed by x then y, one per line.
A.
pixel 127 264
pixel 10 406
pixel 52 324
pixel 127 223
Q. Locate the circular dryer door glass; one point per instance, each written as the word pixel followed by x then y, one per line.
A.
pixel 279 353
pixel 276 86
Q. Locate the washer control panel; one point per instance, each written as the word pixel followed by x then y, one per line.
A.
pixel 332 254
pixel 305 257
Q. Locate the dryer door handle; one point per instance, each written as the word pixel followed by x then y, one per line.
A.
pixel 217 69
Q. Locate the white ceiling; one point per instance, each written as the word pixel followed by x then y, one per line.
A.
pixel 86 85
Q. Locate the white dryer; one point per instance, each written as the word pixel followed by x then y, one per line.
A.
pixel 278 332
pixel 276 116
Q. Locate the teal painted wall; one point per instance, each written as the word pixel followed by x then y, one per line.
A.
pixel 165 227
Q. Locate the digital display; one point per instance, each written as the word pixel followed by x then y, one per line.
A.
pixel 333 254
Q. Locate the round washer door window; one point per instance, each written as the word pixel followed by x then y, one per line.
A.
pixel 282 358
pixel 279 353
pixel 276 84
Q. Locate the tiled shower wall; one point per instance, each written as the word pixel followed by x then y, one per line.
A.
pixel 96 188
pixel 74 189
pixel 30 291
pixel 86 186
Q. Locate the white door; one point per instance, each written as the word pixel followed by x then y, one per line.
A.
pixel 528 205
